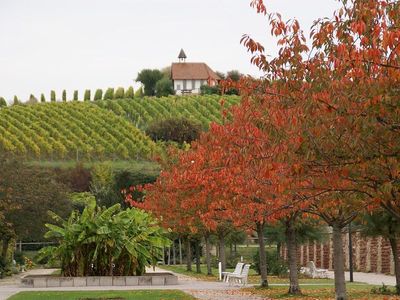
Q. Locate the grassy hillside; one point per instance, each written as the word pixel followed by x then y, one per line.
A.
pixel 142 111
pixel 70 130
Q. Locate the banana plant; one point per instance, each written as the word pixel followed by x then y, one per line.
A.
pixel 105 241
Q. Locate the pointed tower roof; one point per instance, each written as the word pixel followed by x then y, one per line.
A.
pixel 182 55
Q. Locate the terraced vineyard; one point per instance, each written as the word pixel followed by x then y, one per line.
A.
pixel 141 112
pixel 70 130
pixel 109 129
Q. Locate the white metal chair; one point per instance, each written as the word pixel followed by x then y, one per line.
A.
pixel 237 271
pixel 242 278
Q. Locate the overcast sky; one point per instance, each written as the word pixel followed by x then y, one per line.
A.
pixel 89 44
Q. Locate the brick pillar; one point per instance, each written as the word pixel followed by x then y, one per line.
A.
pixel 374 254
pixel 363 255
pixel 302 255
pixel 318 261
pixel 330 253
pixel 311 251
pixel 379 255
pixel 357 256
pixel 386 256
pixel 368 256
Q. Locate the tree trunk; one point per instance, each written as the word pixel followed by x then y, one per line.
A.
pixel 6 242
pixel 338 261
pixel 208 255
pixel 180 252
pixel 222 258
pixel 396 258
pixel 263 257
pixel 173 253
pixel 294 287
pixel 278 250
pixel 197 245
pixel 188 255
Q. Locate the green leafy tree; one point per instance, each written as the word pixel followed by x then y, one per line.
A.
pixel 139 93
pixel 176 130
pixel 102 184
pixel 164 87
pixel 220 74
pixel 109 94
pixel 210 90
pixel 32 100
pixel 117 242
pixel 30 193
pixel 64 95
pixel 86 96
pixel 75 98
pixel 129 93
pixel 381 223
pixel 234 75
pixel 98 95
pixel 3 102
pixel 149 79
pixel 16 101
pixel 42 98
pixel 53 96
pixel 119 93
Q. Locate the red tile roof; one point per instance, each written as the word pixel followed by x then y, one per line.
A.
pixel 192 71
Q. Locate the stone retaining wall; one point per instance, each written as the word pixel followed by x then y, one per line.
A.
pixel 56 281
pixel 370 254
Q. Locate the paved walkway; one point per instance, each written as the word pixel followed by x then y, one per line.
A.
pixel 205 290
pixel 370 278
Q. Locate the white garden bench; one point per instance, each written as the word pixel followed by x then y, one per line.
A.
pixel 237 271
pixel 312 271
pixel 242 278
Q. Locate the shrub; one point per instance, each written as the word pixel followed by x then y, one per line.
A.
pixel 109 94
pixel 129 93
pixel 164 87
pixel 210 90
pixel 3 102
pixel 42 98
pixel 98 95
pixel 53 96
pixel 86 96
pixel 275 266
pixel 176 130
pixel 64 95
pixel 16 101
pixel 119 93
pixel 75 98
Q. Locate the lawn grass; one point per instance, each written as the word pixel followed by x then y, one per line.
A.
pixel 354 291
pixel 103 295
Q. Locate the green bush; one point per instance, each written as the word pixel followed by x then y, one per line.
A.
pixel 98 95
pixel 176 130
pixel 19 257
pixel 210 90
pixel 119 93
pixel 275 266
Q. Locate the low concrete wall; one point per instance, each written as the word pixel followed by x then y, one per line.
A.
pixel 36 281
